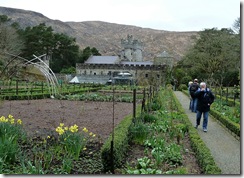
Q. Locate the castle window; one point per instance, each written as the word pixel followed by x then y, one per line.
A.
pixel 101 72
pixel 158 75
pixel 95 73
pixel 90 72
pixel 146 75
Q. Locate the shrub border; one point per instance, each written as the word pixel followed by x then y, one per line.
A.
pixel 202 152
pixel 121 143
pixel 231 126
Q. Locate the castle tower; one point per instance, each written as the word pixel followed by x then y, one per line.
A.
pixel 132 49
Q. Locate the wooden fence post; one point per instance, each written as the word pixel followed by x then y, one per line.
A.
pixel 134 103
pixel 17 88
pixel 143 101
pixel 42 87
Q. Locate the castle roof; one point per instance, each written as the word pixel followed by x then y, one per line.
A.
pixel 164 55
pixel 102 60
pixel 137 63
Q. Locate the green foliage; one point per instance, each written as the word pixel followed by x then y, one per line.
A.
pixel 165 128
pixel 138 131
pixel 143 167
pixel 41 40
pixel 146 117
pixel 182 87
pixel 120 145
pixel 233 113
pixel 202 152
pixel 10 133
pixel 10 43
pixel 100 97
pixel 72 141
pixel 29 168
pixel 178 171
pixel 70 70
pixel 4 19
pixel 214 54
pixel 49 155
pixel 87 52
pixel 173 154
pixel 232 126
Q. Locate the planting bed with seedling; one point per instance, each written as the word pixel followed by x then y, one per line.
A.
pixel 53 129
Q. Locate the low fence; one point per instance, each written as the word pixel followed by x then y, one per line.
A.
pixel 228 94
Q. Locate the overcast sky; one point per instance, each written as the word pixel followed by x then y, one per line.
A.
pixel 172 15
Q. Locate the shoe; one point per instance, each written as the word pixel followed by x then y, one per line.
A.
pixel 205 130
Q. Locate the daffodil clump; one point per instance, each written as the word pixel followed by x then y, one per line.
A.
pixel 10 119
pixel 72 140
pixel 10 132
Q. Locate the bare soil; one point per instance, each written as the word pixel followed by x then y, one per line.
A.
pixel 43 116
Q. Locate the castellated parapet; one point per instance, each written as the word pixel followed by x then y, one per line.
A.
pixel 132 49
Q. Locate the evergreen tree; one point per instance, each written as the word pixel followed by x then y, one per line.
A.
pixel 213 56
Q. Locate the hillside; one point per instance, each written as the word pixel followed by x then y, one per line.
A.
pixel 106 37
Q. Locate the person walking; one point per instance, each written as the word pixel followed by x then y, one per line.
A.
pixel 189 86
pixel 193 88
pixel 204 100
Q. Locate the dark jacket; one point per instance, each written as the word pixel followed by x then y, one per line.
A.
pixel 205 99
pixel 193 88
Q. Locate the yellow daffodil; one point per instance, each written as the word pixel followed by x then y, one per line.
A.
pixel 85 129
pixel 73 129
pixel 3 119
pixel 48 137
pixel 11 121
pixel 10 116
pixel 84 148
pixel 66 128
pixel 90 133
pixel 61 124
pixel 19 121
pixel 94 135
pixel 60 130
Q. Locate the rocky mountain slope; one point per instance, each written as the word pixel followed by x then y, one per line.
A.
pixel 106 37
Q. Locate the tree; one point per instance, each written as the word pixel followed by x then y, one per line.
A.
pixel 10 43
pixel 213 55
pixel 41 39
pixel 65 52
pixel 237 26
pixel 87 52
pixel 237 49
pixel 38 40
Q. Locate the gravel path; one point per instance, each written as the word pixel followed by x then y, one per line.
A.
pixel 225 148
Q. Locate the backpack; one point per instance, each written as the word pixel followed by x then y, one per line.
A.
pixel 194 87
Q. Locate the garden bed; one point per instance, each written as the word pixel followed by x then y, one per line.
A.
pixel 41 117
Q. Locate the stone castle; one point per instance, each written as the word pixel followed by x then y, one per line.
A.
pixel 126 68
pixel 132 49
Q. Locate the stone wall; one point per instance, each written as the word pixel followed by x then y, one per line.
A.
pixel 139 72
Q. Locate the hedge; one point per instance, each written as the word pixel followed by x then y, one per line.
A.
pixel 233 127
pixel 202 152
pixel 120 144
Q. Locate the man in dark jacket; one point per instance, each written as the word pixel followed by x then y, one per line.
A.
pixel 193 88
pixel 205 98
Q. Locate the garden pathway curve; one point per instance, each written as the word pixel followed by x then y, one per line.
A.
pixel 224 147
